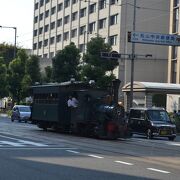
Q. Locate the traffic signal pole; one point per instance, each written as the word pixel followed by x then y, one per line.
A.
pixel 133 58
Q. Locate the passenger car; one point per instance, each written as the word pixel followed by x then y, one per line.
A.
pixel 21 113
pixel 151 122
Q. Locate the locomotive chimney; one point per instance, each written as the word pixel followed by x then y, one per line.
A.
pixel 115 84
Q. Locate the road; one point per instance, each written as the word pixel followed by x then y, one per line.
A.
pixel 26 152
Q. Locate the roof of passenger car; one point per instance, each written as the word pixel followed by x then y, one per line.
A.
pixel 152 87
pixel 151 108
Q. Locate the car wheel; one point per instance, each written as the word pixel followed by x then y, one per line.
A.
pixel 149 134
pixel 171 138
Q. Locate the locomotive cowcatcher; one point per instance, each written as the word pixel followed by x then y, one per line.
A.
pixel 97 114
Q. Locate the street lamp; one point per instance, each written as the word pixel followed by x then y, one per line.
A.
pixel 15 30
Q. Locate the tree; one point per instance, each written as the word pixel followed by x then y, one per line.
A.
pixel 65 63
pixel 16 72
pixel 3 78
pixel 47 75
pixel 7 52
pixel 33 69
pixel 97 68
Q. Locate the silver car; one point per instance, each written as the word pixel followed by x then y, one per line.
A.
pixel 21 113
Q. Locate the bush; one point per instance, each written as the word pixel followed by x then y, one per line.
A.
pixel 176 119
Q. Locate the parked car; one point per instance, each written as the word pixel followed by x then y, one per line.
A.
pixel 151 122
pixel 21 113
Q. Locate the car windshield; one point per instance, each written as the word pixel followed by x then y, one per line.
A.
pixel 158 115
pixel 24 109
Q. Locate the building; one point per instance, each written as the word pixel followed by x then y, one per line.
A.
pixel 59 22
pixel 173 101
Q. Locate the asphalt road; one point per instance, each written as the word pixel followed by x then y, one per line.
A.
pixel 27 152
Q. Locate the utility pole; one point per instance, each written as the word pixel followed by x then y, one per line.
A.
pixel 133 57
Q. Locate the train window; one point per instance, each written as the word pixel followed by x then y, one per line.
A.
pixel 47 98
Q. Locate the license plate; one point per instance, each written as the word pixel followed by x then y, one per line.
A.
pixel 163 132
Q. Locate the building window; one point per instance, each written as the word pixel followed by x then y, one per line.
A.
pixel 81 47
pixel 113 2
pixel 47 1
pixel 83 12
pixel 102 23
pixel 66 36
pixel 34 46
pixel 60 6
pixel 176 20
pixel 35 32
pixel 82 30
pixel 176 3
pixel 45 55
pixel 40 30
pixel 36 19
pixel 58 38
pixel 52 25
pixel 74 33
pixel 92 8
pixel 92 27
pixel 41 16
pixel 66 3
pixel 41 3
pixel 40 44
pixel 174 52
pixel 46 28
pixel 51 55
pixel 46 13
pixel 53 10
pixel 102 4
pixel 66 19
pixel 113 40
pixel 74 16
pixel 173 71
pixel 36 6
pixel 45 42
pixel 74 1
pixel 59 22
pixel 52 40
pixel 113 19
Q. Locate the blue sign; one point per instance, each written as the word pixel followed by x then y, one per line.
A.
pixel 154 38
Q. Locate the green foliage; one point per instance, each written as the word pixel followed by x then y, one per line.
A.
pixel 176 119
pixel 65 63
pixel 33 69
pixel 3 79
pixel 95 67
pixel 7 52
pixel 48 74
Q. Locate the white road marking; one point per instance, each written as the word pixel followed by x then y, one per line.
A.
pixel 173 143
pixel 21 142
pixel 75 152
pixel 13 143
pixel 33 143
pixel 36 148
pixel 99 157
pixel 158 170
pixel 123 162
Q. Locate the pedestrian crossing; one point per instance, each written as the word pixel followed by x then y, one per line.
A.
pixel 21 143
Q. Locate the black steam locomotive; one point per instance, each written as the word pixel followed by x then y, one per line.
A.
pixel 97 113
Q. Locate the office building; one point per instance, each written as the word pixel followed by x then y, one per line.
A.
pixel 59 22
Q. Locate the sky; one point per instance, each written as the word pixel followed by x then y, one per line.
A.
pixel 19 14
